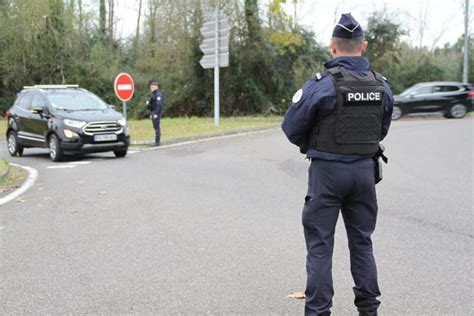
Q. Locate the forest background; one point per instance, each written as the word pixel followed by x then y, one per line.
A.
pixel 271 54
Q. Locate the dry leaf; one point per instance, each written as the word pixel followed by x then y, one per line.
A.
pixel 20 199
pixel 76 211
pixel 102 192
pixel 48 198
pixel 297 295
pixel 2 227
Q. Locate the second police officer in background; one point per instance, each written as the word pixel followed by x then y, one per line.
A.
pixel 155 105
pixel 337 119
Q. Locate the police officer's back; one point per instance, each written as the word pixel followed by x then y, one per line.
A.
pixel 337 119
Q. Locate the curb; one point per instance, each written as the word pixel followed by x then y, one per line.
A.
pixel 210 139
pixel 32 176
pixel 186 139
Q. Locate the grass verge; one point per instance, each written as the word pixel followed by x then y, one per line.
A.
pixel 3 127
pixel 4 166
pixel 15 177
pixel 142 130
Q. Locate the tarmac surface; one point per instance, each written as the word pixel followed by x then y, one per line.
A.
pixel 215 227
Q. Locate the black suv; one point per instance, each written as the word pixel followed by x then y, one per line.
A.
pixel 67 120
pixel 453 99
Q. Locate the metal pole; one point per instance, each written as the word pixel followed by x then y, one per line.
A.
pixel 216 70
pixel 466 42
pixel 124 109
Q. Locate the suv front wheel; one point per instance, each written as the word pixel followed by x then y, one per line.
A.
pixel 396 113
pixel 14 149
pixel 55 152
pixel 120 153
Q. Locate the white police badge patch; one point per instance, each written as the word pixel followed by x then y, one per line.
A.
pixel 158 98
pixel 297 96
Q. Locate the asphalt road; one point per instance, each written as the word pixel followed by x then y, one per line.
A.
pixel 215 227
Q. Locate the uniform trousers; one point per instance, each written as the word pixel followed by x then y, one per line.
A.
pixel 348 188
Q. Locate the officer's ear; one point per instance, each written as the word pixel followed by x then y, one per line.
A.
pixel 333 47
pixel 363 47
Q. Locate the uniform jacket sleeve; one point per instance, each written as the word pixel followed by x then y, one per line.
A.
pixel 299 119
pixel 388 108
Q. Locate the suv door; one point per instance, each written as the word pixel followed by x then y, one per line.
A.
pixel 418 99
pixel 38 125
pixel 22 118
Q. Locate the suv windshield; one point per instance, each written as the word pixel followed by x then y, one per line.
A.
pixel 75 101
pixel 417 89
pixel 410 90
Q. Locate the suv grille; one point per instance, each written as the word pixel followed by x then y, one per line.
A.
pixel 102 128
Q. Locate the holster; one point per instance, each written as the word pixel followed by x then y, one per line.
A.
pixel 378 159
pixel 304 148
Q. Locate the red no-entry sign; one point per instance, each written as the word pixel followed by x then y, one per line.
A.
pixel 124 87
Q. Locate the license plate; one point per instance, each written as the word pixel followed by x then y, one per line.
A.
pixel 105 138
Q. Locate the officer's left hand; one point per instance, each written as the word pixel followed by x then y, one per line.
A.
pixel 155 116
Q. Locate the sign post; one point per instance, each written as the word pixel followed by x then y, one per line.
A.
pixel 216 69
pixel 124 89
pixel 215 47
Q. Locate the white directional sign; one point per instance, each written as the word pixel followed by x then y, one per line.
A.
pixel 208 45
pixel 208 29
pixel 216 41
pixel 208 61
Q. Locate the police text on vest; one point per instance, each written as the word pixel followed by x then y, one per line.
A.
pixel 364 96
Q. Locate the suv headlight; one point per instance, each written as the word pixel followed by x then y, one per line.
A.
pixel 75 124
pixel 122 122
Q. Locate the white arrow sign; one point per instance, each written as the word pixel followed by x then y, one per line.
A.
pixel 208 28
pixel 208 61
pixel 208 45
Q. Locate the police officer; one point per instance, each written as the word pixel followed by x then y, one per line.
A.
pixel 155 105
pixel 337 119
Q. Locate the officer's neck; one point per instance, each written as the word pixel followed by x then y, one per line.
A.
pixel 341 54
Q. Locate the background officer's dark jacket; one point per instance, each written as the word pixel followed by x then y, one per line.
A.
pixel 156 103
pixel 319 96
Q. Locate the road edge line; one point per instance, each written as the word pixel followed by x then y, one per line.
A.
pixel 202 140
pixel 27 184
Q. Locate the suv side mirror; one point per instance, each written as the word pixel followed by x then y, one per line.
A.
pixel 412 95
pixel 37 110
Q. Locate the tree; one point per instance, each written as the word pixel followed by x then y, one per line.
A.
pixel 102 18
pixel 383 35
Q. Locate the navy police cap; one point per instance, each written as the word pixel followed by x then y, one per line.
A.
pixel 152 83
pixel 347 27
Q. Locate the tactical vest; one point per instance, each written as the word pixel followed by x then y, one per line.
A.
pixel 355 126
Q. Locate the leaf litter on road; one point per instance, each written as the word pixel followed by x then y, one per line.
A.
pixel 296 295
pixel 20 199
